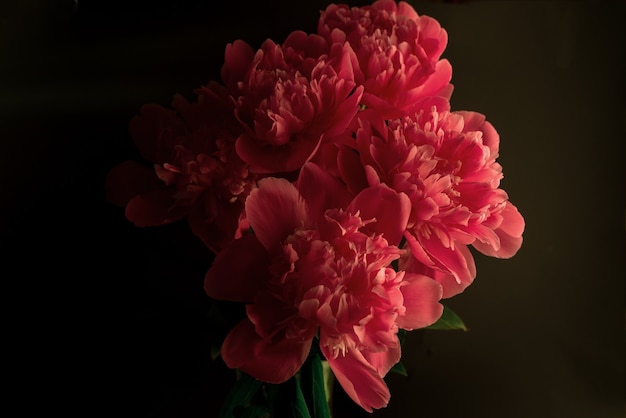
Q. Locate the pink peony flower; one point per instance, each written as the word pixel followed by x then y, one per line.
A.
pixel 310 272
pixel 290 98
pixel 445 162
pixel 197 173
pixel 398 53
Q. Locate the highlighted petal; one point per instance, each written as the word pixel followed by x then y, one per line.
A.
pixel 510 234
pixel 359 379
pixel 421 300
pixel 456 259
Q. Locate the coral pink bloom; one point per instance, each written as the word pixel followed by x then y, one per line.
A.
pixel 197 173
pixel 310 271
pixel 398 53
pixel 290 98
pixel 445 162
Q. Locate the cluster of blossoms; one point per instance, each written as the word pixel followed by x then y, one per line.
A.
pixel 308 170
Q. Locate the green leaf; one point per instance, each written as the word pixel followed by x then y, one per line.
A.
pixel 240 395
pixel 448 320
pixel 399 368
pixel 287 399
pixel 298 405
pixel 318 386
pixel 255 411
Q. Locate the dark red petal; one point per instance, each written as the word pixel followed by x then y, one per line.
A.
pixel 129 179
pixel 154 208
pixel 269 362
pixel 238 271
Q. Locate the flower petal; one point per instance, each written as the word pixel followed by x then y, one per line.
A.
pixel 155 131
pixel 129 179
pixel 268 158
pixel 359 379
pixel 237 59
pixel 274 363
pixel 510 233
pixel 421 300
pixel 321 191
pixel 238 271
pixel 154 208
pixel 390 209
pixel 274 211
pixel 456 259
pixel 216 222
pixel 383 361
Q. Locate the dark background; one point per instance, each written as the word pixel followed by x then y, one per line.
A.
pixel 105 319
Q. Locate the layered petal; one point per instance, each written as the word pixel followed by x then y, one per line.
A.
pixel 398 53
pixel 445 163
pixel 509 234
pixel 390 210
pixel 455 259
pixel 290 98
pixel 359 379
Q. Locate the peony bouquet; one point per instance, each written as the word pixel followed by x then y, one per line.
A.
pixel 339 193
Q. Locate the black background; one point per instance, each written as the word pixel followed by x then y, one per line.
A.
pixel 106 319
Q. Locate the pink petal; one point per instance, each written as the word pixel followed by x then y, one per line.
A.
pixel 411 264
pixel 405 9
pixel 321 191
pixel 390 209
pixel 513 223
pixel 383 361
pixel 510 233
pixel 458 260
pixel 474 121
pixel 238 271
pixel 437 84
pixel 421 300
pixel 269 362
pixel 417 250
pixel 359 379
pixel 449 284
pixel 274 211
